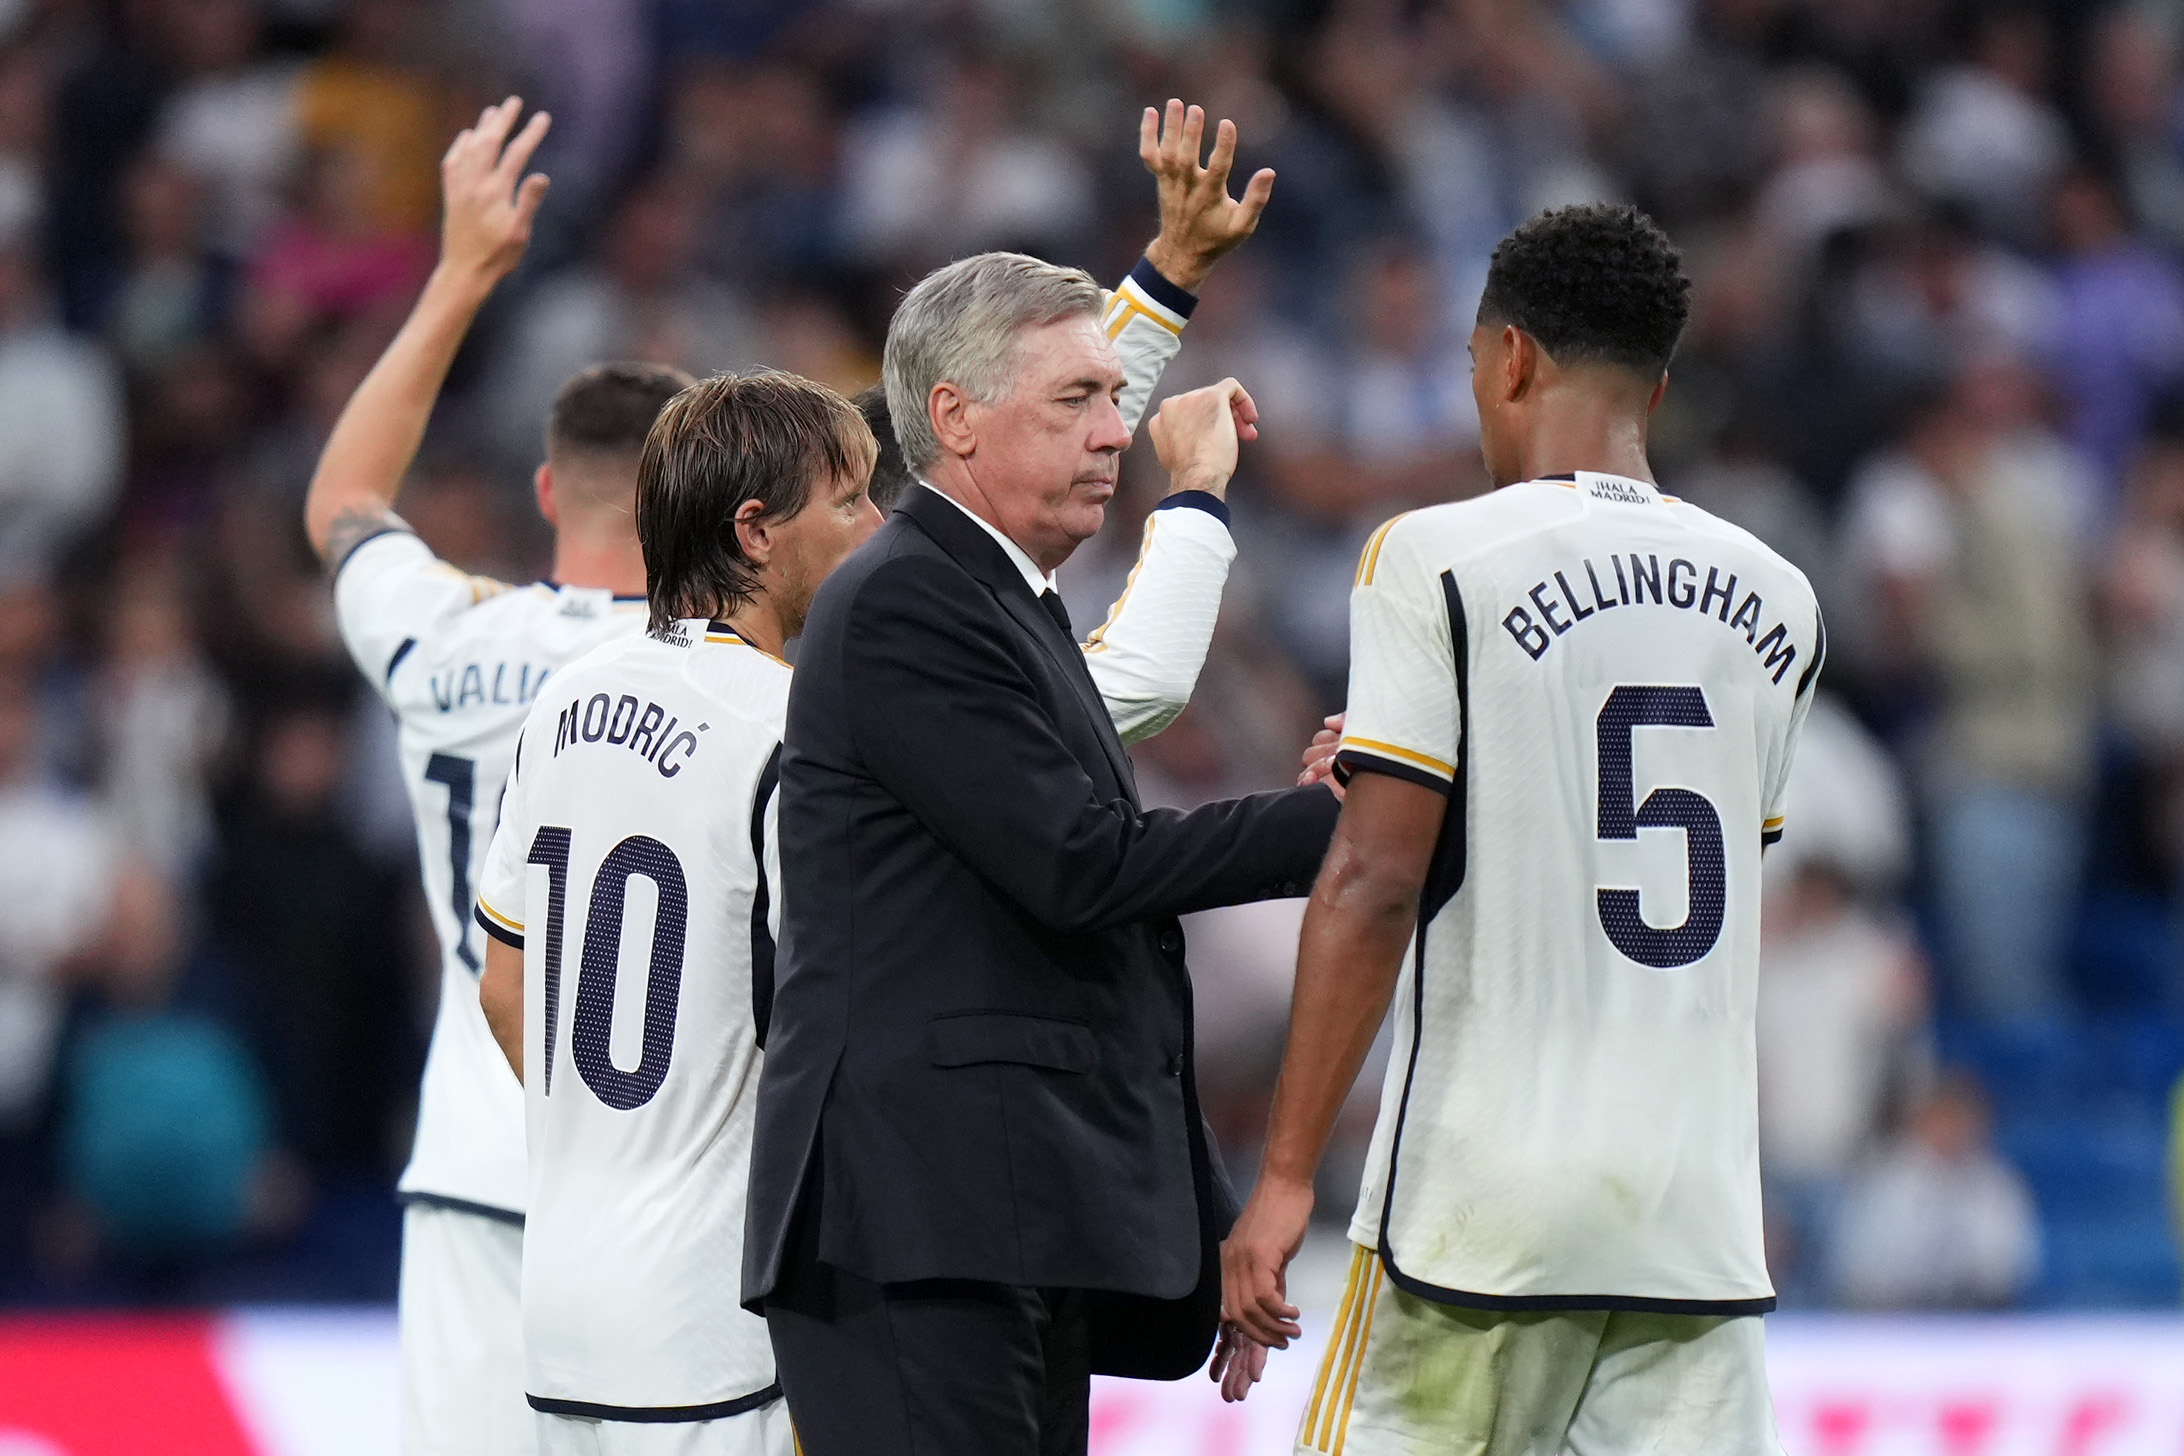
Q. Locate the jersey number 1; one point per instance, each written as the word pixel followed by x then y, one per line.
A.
pixel 460 778
pixel 601 965
pixel 1629 709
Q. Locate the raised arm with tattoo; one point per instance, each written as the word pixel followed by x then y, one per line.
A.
pixel 490 206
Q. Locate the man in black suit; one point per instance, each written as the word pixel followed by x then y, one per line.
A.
pixel 980 1173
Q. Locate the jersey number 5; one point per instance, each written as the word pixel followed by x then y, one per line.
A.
pixel 1627 710
pixel 601 965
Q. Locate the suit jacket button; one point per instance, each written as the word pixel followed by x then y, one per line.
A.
pixel 1171 941
pixel 1175 1065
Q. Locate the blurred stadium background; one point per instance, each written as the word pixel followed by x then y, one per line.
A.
pixel 1937 359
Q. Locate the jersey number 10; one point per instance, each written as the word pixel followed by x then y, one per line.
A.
pixel 588 1043
pixel 1621 817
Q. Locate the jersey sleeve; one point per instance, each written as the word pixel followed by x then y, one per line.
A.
pixel 501 911
pixel 1404 711
pixel 390 592
pixel 1773 819
pixel 770 862
pixel 1146 656
pixel 1144 319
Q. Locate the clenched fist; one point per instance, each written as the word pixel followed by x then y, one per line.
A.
pixel 1197 434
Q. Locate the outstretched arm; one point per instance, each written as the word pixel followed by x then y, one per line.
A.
pixel 1348 955
pixel 1199 224
pixel 489 208
pixel 1145 658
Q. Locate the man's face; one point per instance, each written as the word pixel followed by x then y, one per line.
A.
pixel 1048 450
pixel 810 544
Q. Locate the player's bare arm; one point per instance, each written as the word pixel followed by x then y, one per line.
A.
pixel 1199 221
pixel 500 994
pixel 1348 955
pixel 490 205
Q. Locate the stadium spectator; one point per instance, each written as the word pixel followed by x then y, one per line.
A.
pixel 760 149
pixel 1984 133
pixel 24 123
pixel 368 99
pixel 1938 1220
pixel 167 1132
pixel 1842 992
pixel 1963 561
pixel 163 717
pixel 168 296
pixel 1380 423
pixel 61 421
pixel 333 261
pixel 2133 92
pixel 57 859
pixel 957 171
pixel 2121 333
pixel 1827 177
pixel 232 119
pixel 643 296
pixel 310 923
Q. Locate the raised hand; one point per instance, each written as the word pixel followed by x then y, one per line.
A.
pixel 490 204
pixel 1199 221
pixel 1196 435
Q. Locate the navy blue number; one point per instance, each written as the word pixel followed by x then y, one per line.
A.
pixel 460 776
pixel 550 848
pixel 1629 709
pixel 636 855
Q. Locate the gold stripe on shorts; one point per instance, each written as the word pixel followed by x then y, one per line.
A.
pixel 1335 1363
pixel 1357 1366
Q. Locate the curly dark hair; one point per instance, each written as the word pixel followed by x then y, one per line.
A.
pixel 1595 283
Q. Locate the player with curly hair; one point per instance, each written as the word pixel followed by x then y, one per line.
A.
pixel 1573 705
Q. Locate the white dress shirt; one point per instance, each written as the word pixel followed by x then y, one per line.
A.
pixel 1039 581
pixel 1145 657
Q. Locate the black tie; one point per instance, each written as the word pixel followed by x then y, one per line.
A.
pixel 1052 601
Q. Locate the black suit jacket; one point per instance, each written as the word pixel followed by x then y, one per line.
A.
pixel 979 1057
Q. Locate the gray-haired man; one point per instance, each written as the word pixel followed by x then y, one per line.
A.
pixel 980 1174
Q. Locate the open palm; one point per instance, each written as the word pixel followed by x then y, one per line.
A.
pixel 490 203
pixel 1199 221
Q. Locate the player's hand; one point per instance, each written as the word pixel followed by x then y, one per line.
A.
pixel 1238 1363
pixel 1196 435
pixel 1255 1261
pixel 1319 756
pixel 1199 221
pixel 490 204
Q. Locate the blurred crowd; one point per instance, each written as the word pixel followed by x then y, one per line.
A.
pixel 1936 359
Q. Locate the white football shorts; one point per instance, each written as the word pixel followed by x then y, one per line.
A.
pixel 762 1432
pixel 1404 1376
pixel 462 1336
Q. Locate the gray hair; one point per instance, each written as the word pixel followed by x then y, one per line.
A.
pixel 960 325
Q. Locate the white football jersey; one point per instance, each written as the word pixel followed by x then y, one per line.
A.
pixel 460 658
pixel 1608 684
pixel 635 866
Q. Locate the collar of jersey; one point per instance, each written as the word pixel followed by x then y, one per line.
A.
pixel 720 633
pixel 1569 478
pixel 551 585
